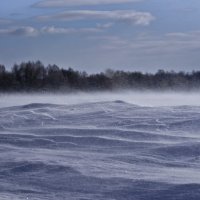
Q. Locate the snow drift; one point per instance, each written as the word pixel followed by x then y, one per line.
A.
pixel 99 150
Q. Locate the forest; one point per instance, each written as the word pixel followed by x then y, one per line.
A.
pixel 34 76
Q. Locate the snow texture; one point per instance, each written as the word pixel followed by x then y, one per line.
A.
pixel 108 150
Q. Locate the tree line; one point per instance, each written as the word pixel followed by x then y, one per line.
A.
pixel 34 76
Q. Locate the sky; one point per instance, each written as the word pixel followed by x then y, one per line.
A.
pixel 94 35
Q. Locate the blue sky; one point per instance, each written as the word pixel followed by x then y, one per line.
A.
pixel 93 35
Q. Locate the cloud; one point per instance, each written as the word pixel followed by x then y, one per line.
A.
pixel 170 43
pixel 195 35
pixel 20 31
pixel 61 3
pixel 31 32
pixel 133 17
pixel 55 30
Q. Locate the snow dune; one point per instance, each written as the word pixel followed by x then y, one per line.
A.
pixel 110 150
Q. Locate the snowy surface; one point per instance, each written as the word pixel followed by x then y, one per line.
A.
pixel 106 150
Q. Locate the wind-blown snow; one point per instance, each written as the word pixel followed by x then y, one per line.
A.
pixel 145 98
pixel 107 150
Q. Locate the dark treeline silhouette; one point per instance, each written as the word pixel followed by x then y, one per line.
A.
pixel 34 76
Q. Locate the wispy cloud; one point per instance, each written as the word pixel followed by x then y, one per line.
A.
pixel 29 31
pixel 184 35
pixel 61 3
pixel 55 30
pixel 133 17
pixel 20 31
pixel 169 44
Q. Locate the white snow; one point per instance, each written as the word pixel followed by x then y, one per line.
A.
pixel 61 147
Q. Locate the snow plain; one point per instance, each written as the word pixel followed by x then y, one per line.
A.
pixel 100 147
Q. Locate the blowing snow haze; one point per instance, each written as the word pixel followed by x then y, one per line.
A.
pixel 151 99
